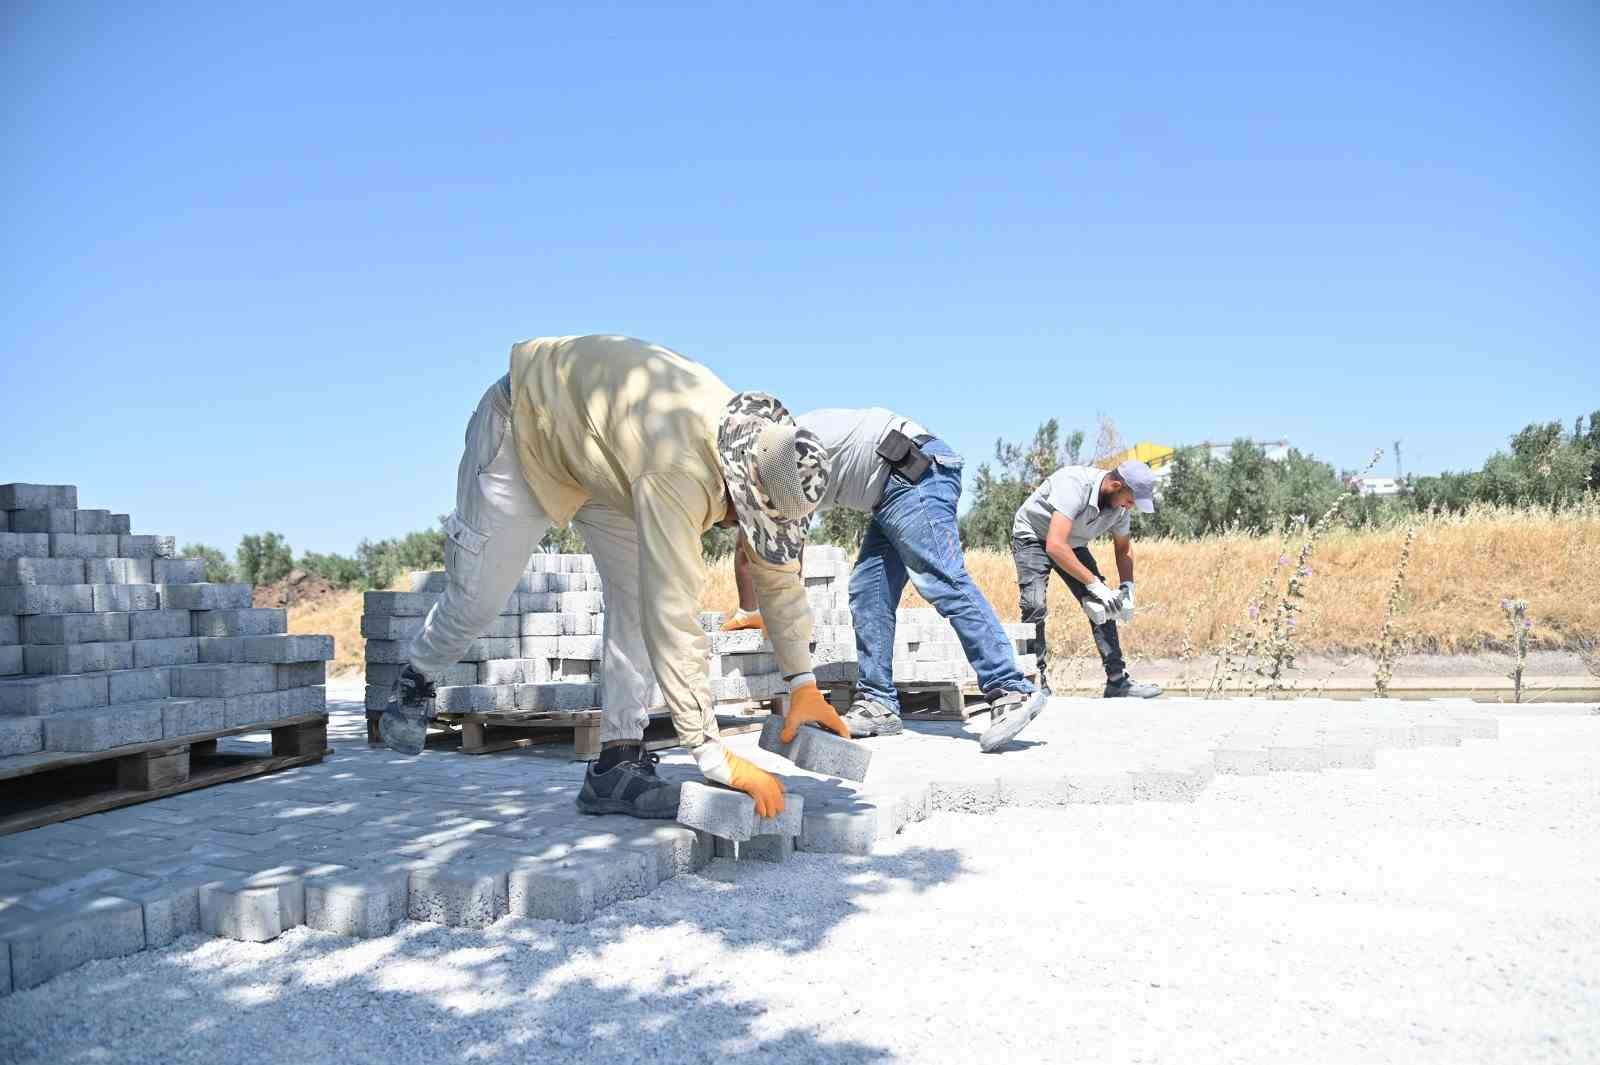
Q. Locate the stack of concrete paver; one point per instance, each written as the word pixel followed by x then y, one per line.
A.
pixel 926 649
pixel 107 639
pixel 542 652
pixel 363 841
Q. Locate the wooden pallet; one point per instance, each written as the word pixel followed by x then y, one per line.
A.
pixel 44 788
pixel 491 731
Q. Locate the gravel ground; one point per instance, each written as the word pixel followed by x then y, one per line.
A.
pixel 1445 908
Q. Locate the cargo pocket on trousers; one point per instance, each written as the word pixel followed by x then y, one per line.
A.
pixel 463 553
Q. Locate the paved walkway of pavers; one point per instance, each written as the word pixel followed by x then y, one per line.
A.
pixel 368 838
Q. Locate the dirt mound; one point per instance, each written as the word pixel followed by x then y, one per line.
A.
pixel 299 588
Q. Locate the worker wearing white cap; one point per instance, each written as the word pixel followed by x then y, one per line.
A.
pixel 1052 532
pixel 643 450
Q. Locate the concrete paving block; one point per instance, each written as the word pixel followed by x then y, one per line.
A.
pixel 121 524
pixel 159 626
pixel 223 680
pixel 47 520
pixel 140 685
pixel 15 571
pixel 475 698
pixel 1439 732
pixel 98 880
pixel 384 674
pixel 557 696
pixel 717 810
pixel 93 521
pixel 73 545
pixel 49 695
pixel 11 660
pixel 102 728
pixel 205 596
pixel 744 641
pixel 254 908
pixel 56 659
pixel 300 674
pixel 398 604
pixel 186 717
pixel 19 496
pixel 390 652
pixel 116 571
pixel 574 888
pixel 279 649
pixel 377 696
pixel 489 647
pixel 74 628
pixel 817 751
pixel 257 621
pixel 10 630
pixel 1168 784
pixel 178 570
pixel 515 671
pixel 47 943
pixel 757 849
pixel 1242 755
pixel 24 545
pixel 126 596
pixel 173 651
pixel 5 948
pixel 579 602
pixel 537 602
pixel 1480 728
pixel 585 647
pixel 1296 754
pixel 540 647
pixel 1348 750
pixel 47 599
pixel 138 546
pixel 252 708
pixel 848 829
pixel 468 893
pixel 971 795
pixel 21 735
pixel 543 624
pixel 309 699
pixel 673 848
pixel 743 665
pixel 361 903
pixel 171 903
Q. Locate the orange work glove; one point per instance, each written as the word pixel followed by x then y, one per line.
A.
pixel 757 783
pixel 807 706
pixel 743 619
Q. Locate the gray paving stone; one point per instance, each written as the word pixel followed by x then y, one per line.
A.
pixel 102 728
pixel 74 545
pixel 5 948
pixel 384 674
pixel 574 888
pixel 48 695
pixel 374 627
pixel 586 647
pixel 11 661
pixel 21 735
pixel 205 596
pixel 757 849
pixel 56 659
pixel 15 571
pixel 24 545
pixel 312 699
pixel 515 671
pixel 817 751
pixel 100 880
pixel 468 893
pixel 300 674
pixel 557 696
pixel 116 571
pixel 187 717
pixel 178 570
pixel 46 944
pixel 46 598
pixel 170 904
pixel 10 630
pixel 398 604
pixel 94 521
pixel 475 698
pixel 19 496
pixel 541 625
pixel 361 903
pixel 253 708
pixel 173 651
pixel 720 811
pixel 74 628
pixel 140 685
pixel 206 681
pixel 257 621
pixel 848 830
pixel 138 546
pixel 126 596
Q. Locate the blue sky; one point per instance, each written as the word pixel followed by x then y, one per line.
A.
pixel 260 263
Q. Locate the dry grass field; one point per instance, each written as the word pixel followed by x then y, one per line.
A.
pixel 1193 592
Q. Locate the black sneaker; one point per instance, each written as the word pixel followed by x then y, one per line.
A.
pixel 404 724
pixel 629 787
pixel 1128 688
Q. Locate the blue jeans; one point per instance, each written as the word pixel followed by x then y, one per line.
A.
pixel 914 534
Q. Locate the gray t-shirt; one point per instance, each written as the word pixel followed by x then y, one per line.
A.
pixel 1075 492
pixel 852 437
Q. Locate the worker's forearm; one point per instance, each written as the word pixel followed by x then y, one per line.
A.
pixel 1125 566
pixel 1068 562
pixel 744 580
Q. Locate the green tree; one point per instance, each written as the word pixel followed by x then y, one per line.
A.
pixel 998 491
pixel 264 558
pixel 219 570
pixel 341 571
pixel 563 540
pixel 845 527
pixel 382 561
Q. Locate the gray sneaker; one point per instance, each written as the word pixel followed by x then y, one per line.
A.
pixel 404 724
pixel 632 788
pixel 869 718
pixel 1128 688
pixel 1008 716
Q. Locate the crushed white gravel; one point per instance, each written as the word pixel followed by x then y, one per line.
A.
pixel 1445 908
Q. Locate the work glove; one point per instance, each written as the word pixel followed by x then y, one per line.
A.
pixel 808 707
pixel 721 766
pixel 743 619
pixel 1126 613
pixel 1101 604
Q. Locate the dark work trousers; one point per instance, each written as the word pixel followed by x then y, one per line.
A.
pixel 1033 579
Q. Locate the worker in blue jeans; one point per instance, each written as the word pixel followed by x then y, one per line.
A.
pixel 910 482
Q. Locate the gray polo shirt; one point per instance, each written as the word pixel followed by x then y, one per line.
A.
pixel 1075 492
pixel 852 437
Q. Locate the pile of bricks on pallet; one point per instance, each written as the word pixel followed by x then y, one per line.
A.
pixel 926 650
pixel 542 653
pixel 107 639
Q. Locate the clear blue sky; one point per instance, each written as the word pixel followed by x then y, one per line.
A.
pixel 259 262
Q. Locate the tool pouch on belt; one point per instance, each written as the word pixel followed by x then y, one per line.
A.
pixel 904 456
